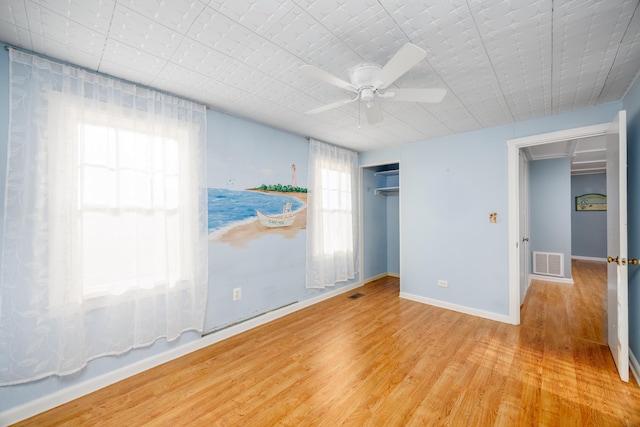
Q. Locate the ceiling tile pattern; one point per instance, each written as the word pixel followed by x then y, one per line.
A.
pixel 500 60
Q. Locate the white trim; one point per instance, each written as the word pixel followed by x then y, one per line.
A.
pixel 397 276
pixel 560 136
pixel 635 366
pixel 459 308
pixel 552 279
pixel 513 147
pixel 29 409
pixel 588 258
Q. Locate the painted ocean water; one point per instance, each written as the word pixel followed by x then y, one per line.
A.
pixel 230 207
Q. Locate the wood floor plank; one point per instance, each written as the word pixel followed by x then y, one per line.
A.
pixel 381 360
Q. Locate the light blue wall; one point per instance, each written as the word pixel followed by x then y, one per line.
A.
pixel 632 104
pixel 550 208
pixel 588 228
pixel 269 269
pixel 450 185
pixel 393 233
pixel 4 130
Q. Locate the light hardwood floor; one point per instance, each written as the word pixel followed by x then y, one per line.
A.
pixel 384 361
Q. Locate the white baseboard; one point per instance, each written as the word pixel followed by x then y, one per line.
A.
pixel 396 275
pixel 29 409
pixel 635 366
pixel 588 258
pixel 459 308
pixel 552 279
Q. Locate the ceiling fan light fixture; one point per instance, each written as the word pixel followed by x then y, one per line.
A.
pixel 366 94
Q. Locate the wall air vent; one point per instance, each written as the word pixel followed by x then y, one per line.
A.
pixel 548 264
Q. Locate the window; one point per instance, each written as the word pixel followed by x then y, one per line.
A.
pixel 128 185
pixel 332 215
pixel 337 212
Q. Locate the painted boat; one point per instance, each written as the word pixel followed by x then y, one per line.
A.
pixel 283 220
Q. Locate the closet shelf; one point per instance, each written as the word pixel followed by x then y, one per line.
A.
pixel 387 173
pixel 386 190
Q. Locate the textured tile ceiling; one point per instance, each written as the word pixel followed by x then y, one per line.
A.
pixel 500 60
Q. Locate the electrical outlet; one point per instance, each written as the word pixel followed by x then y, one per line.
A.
pixel 443 283
pixel 237 294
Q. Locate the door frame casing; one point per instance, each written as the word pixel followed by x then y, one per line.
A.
pixel 513 165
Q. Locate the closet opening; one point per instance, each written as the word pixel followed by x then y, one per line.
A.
pixel 380 225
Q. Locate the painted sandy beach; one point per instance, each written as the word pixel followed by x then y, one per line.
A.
pixel 238 234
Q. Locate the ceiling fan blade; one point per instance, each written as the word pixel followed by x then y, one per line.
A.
pixel 416 95
pixel 332 105
pixel 374 113
pixel 405 59
pixel 319 74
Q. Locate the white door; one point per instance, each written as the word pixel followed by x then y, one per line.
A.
pixel 617 291
pixel 524 225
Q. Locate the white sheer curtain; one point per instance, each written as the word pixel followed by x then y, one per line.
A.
pixel 105 245
pixel 332 215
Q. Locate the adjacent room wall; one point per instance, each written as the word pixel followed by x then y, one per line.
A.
pixel 588 228
pixel 550 208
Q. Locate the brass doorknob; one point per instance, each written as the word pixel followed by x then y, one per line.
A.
pixel 616 259
pixel 634 261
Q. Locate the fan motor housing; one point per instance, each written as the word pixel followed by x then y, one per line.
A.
pixel 362 75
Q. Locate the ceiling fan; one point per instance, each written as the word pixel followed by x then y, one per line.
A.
pixel 370 81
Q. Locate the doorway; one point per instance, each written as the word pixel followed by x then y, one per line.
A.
pixel 617 301
pixel 515 234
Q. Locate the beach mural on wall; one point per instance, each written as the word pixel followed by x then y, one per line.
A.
pixel 238 216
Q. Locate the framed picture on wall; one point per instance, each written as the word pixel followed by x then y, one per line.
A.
pixel 591 202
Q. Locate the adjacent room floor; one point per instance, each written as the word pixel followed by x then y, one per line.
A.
pixel 382 360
